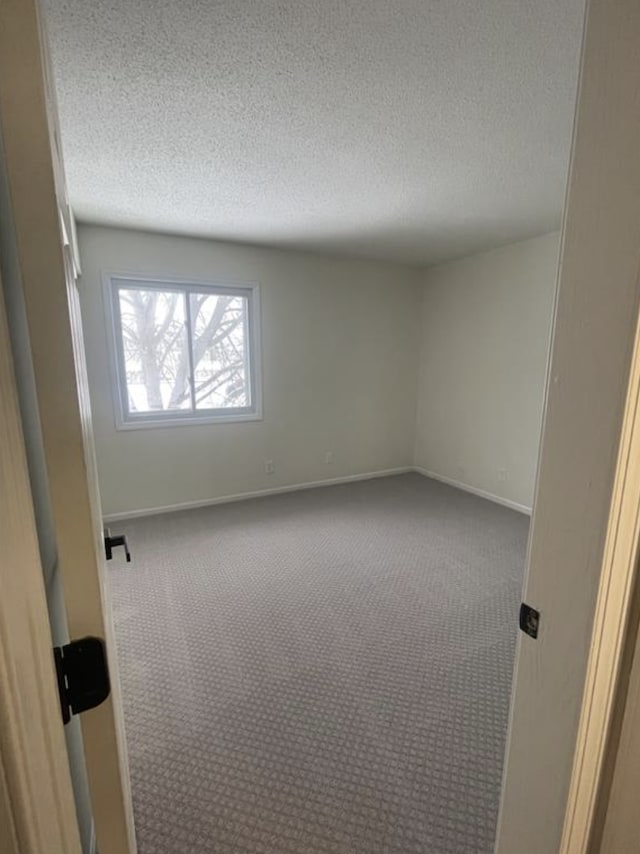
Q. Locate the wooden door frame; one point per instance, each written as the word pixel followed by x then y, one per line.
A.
pixel 616 821
pixel 35 177
pixel 613 639
pixel 37 810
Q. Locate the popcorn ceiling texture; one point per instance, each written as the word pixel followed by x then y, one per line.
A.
pixel 413 131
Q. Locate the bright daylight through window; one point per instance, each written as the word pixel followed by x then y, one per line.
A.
pixel 184 352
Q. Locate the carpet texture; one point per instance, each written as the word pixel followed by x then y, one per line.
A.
pixel 320 671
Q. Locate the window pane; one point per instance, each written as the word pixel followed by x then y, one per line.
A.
pixel 219 333
pixel 156 356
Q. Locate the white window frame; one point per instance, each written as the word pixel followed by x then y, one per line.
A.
pixel 123 419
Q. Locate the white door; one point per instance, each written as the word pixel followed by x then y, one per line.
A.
pixel 41 218
pixel 37 812
pixel 594 332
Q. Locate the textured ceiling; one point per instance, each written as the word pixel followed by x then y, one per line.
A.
pixel 414 130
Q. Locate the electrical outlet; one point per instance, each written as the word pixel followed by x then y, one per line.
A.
pixel 269 467
pixel 328 458
pixel 502 475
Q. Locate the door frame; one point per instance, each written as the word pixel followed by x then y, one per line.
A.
pixel 42 223
pixel 619 495
pixel 584 532
pixel 37 809
pixel 616 822
pixel 613 640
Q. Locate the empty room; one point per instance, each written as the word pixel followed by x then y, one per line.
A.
pixel 312 256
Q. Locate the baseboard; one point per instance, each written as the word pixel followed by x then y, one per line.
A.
pixel 506 502
pixel 258 493
pixel 313 484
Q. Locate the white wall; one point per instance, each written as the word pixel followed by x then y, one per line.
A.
pixel 340 343
pixel 486 326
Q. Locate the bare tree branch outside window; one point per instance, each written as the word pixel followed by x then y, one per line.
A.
pixel 171 368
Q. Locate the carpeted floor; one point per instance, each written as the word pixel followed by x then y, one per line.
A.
pixel 321 671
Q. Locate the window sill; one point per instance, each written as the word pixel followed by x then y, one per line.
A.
pixel 191 421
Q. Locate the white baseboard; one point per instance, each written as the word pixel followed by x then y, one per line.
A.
pixel 313 484
pixel 259 493
pixel 506 502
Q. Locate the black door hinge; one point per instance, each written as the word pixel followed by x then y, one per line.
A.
pixel 113 541
pixel 83 675
pixel 529 620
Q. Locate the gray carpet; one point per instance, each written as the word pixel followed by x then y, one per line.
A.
pixel 321 671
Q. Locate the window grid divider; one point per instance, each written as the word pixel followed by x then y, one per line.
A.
pixel 192 372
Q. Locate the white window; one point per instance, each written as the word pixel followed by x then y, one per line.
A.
pixel 183 352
